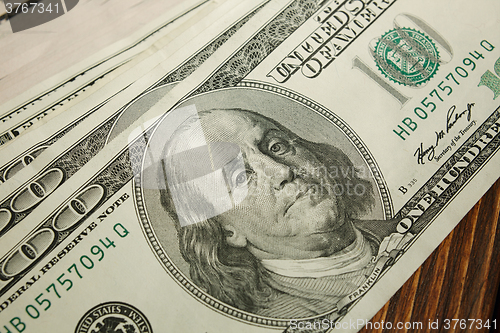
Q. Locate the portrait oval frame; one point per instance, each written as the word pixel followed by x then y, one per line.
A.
pixel 154 235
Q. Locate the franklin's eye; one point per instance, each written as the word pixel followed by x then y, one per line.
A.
pixel 242 178
pixel 279 147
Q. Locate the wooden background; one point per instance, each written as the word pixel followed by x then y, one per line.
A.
pixel 459 280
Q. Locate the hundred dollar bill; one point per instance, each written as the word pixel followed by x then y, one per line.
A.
pixel 23 110
pixel 294 181
pixel 29 165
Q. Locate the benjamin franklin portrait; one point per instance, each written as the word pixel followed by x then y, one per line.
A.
pixel 260 219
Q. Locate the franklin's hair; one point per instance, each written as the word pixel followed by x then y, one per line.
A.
pixel 230 274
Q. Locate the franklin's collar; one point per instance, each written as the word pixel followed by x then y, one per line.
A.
pixel 354 257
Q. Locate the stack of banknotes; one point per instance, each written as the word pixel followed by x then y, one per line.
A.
pixel 237 165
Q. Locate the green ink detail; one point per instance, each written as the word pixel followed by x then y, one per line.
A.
pixel 406 56
pixel 491 81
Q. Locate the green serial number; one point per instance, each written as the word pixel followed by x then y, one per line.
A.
pixel 86 262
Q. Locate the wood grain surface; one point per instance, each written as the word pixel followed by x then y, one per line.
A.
pixel 459 280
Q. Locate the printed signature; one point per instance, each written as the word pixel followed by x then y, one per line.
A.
pixel 451 119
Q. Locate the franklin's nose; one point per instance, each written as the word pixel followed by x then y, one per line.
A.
pixel 279 174
pixel 288 176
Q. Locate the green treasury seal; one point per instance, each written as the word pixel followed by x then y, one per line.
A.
pixel 406 56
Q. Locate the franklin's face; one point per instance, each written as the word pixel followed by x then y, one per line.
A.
pixel 285 214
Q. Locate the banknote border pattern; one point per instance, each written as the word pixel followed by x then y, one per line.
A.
pixel 15 160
